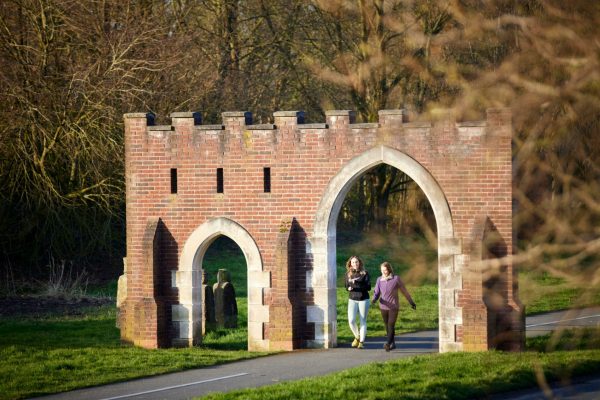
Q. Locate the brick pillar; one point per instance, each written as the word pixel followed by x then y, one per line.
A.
pixel 339 118
pixel 392 117
pixel 511 321
pixel 280 309
pixel 148 315
pixel 236 118
pixel 136 125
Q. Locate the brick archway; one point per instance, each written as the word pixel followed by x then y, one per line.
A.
pixel 276 190
pixel 187 316
pixel 323 312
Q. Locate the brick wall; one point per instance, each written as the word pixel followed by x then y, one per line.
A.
pixel 470 162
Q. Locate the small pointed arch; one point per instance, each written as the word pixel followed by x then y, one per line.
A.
pixel 188 279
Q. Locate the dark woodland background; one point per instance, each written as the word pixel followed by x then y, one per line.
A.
pixel 70 69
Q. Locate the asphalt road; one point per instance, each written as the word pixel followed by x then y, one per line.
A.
pixel 305 363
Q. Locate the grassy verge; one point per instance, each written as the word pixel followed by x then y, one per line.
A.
pixel 541 292
pixel 445 376
pixel 55 354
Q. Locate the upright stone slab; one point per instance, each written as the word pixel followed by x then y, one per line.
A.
pixel 121 292
pixel 226 312
pixel 208 305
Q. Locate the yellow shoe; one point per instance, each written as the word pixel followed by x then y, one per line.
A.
pixel 355 342
pixel 360 345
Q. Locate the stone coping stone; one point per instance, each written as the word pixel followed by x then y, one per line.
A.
pixel 471 123
pixel 184 114
pixel 417 124
pixel 339 112
pixel 261 127
pixel 210 127
pixel 313 126
pixel 392 112
pixel 236 113
pixel 288 113
pixel 161 128
pixel 137 115
pixel 366 125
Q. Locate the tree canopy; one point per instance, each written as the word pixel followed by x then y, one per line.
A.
pixel 69 69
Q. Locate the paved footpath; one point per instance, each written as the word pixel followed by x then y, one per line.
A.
pixel 306 363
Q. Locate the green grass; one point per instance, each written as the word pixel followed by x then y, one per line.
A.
pixel 542 292
pixel 55 354
pixel 440 376
pixel 566 340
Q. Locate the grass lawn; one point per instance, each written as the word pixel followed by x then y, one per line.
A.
pixel 541 292
pixel 445 376
pixel 57 353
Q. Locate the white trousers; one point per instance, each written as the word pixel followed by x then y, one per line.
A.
pixel 362 309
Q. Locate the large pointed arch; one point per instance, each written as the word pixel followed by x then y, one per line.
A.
pixel 323 312
pixel 187 318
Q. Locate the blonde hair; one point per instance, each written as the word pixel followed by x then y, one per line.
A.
pixel 349 264
pixel 388 266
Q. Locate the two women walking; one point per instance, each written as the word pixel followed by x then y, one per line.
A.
pixel 358 284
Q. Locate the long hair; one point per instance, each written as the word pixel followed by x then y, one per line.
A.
pixel 349 265
pixel 388 266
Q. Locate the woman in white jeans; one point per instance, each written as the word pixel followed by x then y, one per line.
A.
pixel 358 284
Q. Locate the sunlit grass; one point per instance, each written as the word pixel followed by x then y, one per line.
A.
pixel 56 354
pixel 225 254
pixel 542 292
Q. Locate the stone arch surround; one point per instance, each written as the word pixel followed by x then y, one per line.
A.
pixel 187 316
pixel 323 312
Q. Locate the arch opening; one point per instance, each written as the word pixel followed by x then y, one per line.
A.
pixel 187 315
pixel 225 305
pixel 323 313
pixel 386 217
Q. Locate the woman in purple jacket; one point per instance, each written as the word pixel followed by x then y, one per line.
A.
pixel 386 291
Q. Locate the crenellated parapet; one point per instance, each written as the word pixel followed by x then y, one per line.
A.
pixel 337 132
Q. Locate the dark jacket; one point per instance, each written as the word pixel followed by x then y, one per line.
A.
pixel 358 285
